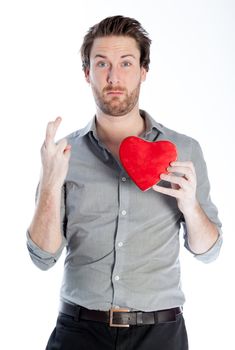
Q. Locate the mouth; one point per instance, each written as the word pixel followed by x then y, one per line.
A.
pixel 115 93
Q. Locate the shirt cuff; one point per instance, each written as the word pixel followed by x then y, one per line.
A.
pixel 44 260
pixel 211 254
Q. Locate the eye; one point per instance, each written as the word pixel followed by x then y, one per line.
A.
pixel 102 64
pixel 126 64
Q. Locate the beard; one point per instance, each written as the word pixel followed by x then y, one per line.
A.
pixel 116 105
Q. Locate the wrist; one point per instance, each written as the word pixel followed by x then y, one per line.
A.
pixel 191 209
pixel 50 189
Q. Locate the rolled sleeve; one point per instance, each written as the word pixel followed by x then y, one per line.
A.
pixel 42 259
pixel 211 254
pixel 203 196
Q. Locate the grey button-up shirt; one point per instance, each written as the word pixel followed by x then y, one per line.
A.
pixel 122 244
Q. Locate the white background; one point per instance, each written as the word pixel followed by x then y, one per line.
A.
pixel 190 88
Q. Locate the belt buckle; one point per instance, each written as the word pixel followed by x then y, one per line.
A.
pixel 111 312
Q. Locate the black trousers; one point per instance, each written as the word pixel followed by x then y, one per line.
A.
pixel 70 334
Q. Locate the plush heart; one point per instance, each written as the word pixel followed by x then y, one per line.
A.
pixel 144 161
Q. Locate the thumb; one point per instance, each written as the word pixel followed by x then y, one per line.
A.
pixel 175 186
pixel 67 150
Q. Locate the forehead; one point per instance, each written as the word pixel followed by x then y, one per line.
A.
pixel 115 46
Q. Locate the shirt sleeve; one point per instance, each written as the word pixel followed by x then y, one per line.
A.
pixel 41 258
pixel 203 196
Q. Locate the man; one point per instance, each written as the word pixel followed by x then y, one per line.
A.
pixel 121 286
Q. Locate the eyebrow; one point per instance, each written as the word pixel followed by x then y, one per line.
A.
pixel 123 56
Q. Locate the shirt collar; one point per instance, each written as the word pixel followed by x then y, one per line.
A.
pixel 149 121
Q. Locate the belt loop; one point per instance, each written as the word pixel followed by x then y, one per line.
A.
pixel 139 318
pixel 155 316
pixel 77 313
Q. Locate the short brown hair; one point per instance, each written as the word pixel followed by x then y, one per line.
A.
pixel 117 25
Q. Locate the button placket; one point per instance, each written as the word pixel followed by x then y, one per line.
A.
pixel 122 228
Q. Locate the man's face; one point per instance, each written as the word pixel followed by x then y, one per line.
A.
pixel 115 74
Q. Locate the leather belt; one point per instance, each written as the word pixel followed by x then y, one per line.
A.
pixel 120 317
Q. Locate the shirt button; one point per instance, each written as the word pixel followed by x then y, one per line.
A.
pixel 120 244
pixel 123 212
pixel 116 278
pixel 123 178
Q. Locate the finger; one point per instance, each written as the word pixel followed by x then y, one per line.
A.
pixel 175 187
pixel 67 151
pixel 168 191
pixel 180 165
pixel 178 180
pixel 51 130
pixel 186 172
pixel 63 145
pixel 67 148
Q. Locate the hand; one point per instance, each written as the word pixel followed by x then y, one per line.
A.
pixel 183 185
pixel 55 158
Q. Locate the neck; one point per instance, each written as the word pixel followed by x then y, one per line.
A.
pixel 114 129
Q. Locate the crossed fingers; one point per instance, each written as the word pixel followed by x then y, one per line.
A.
pixel 51 130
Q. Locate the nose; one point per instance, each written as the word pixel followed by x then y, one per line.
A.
pixel 113 76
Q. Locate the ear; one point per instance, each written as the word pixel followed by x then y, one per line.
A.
pixel 87 75
pixel 143 74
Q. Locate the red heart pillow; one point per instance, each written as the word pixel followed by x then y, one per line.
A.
pixel 144 161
